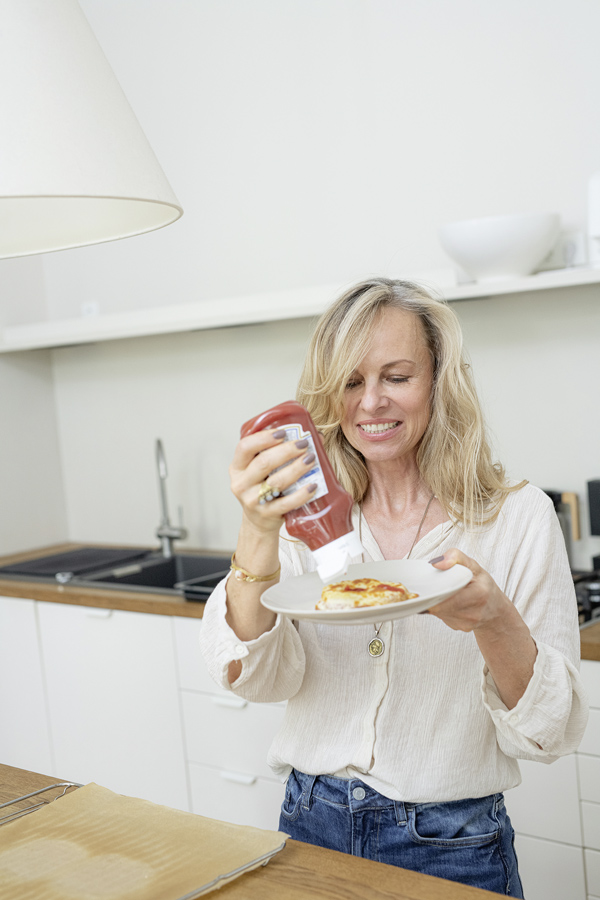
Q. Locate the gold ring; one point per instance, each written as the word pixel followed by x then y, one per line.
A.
pixel 266 492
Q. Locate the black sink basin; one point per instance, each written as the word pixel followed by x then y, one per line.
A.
pixel 74 562
pixel 160 575
pixel 129 570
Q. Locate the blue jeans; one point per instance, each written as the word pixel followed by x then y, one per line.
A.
pixel 469 841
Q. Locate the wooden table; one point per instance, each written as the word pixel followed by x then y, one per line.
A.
pixel 300 871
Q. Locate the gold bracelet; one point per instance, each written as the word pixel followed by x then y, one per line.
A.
pixel 243 575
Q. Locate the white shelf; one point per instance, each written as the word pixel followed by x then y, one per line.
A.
pixel 169 319
pixel 268 307
pixel 541 281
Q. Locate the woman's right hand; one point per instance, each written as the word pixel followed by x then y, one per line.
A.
pixel 255 458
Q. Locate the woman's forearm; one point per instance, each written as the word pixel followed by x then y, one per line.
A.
pixel 258 554
pixel 509 651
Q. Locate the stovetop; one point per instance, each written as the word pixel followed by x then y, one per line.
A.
pixel 587 591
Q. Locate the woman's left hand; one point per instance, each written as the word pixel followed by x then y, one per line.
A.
pixel 477 607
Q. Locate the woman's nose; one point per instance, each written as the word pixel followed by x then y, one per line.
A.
pixel 373 397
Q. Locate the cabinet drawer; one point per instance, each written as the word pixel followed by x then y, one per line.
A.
pixel 227 732
pixel 590 675
pixel 549 870
pixel 24 723
pixel 591 739
pixel 533 805
pixel 589 777
pixel 590 817
pixel 112 691
pixel 228 795
pixel 592 870
pixel 192 672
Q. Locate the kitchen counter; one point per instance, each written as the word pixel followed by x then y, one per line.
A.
pixel 300 871
pixel 160 604
pixel 134 601
pixel 590 641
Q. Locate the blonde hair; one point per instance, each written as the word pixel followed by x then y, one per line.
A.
pixel 454 456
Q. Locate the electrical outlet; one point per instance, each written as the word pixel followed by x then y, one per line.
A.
pixel 570 250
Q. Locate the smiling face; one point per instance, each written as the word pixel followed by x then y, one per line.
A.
pixel 387 398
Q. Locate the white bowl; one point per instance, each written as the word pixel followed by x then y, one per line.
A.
pixel 500 247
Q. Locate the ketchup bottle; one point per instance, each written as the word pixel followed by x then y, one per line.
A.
pixel 324 524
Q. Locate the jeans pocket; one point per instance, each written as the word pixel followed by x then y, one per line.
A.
pixel 461 823
pixel 290 808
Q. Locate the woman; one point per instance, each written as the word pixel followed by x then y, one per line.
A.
pixel 404 757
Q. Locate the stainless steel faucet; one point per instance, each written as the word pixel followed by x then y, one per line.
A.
pixel 165 531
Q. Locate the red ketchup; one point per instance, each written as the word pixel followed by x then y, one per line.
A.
pixel 324 524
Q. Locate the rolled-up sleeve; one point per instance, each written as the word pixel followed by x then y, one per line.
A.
pixel 550 718
pixel 272 664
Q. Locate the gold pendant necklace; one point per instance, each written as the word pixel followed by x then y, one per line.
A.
pixel 376 646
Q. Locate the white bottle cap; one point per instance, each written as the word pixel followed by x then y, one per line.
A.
pixel 334 558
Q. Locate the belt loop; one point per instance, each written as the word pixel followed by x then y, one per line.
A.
pixel 308 789
pixel 400 810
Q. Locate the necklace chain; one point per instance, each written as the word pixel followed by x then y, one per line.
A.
pixel 376 646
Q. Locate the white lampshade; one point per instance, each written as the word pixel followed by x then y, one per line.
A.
pixel 75 165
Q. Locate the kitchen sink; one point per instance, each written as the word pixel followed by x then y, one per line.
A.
pixel 132 569
pixel 157 574
pixel 189 574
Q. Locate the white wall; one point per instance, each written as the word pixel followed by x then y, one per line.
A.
pixel 536 359
pixel 193 391
pixel 316 141
pixel 32 498
pixel 310 142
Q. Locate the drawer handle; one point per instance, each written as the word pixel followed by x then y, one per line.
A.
pixel 97 613
pixel 231 702
pixel 238 777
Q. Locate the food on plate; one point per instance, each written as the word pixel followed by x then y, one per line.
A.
pixel 362 592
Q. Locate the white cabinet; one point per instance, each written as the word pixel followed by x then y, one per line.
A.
pixel 124 699
pixel 549 870
pixel 228 732
pixel 590 673
pixel 588 760
pixel 556 815
pixel 113 699
pixel 591 739
pixel 592 871
pixel 589 777
pixel 546 803
pixel 234 797
pixel 24 731
pixel 590 822
pixel 544 811
pixel 227 740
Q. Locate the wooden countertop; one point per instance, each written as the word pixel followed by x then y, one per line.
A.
pixel 160 604
pixel 300 871
pixel 134 601
pixel 590 642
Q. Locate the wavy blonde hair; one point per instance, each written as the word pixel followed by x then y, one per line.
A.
pixel 454 456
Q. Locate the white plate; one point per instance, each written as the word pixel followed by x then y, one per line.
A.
pixel 297 597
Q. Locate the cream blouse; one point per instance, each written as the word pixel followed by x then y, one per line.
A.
pixel 423 722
